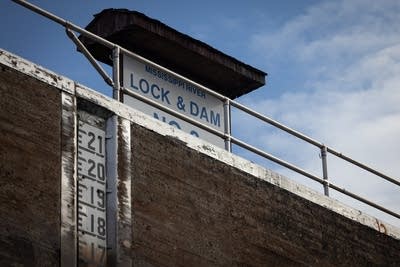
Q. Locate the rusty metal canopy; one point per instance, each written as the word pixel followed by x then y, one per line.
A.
pixel 174 50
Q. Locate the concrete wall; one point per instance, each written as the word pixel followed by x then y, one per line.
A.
pixel 192 210
pixel 180 201
pixel 29 171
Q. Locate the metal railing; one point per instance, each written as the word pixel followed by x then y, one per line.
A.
pixel 227 104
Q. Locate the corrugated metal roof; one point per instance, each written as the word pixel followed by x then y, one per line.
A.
pixel 179 52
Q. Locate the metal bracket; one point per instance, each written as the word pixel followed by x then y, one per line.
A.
pixel 89 56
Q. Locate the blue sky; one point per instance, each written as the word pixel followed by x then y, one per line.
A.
pixel 334 72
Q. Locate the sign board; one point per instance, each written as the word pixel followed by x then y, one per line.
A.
pixel 91 199
pixel 174 93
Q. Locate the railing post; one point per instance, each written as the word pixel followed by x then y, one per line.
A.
pixel 324 153
pixel 116 74
pixel 227 122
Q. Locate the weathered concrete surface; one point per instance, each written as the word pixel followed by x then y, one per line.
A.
pixel 192 210
pixel 29 171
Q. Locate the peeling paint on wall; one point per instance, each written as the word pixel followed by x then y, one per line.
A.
pixel 124 193
pixel 68 180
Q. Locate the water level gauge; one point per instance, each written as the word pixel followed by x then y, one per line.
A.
pixel 91 200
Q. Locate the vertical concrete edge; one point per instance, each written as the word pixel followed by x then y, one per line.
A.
pixel 124 183
pixel 112 177
pixel 68 236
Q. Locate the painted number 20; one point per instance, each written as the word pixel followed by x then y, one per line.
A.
pixel 96 170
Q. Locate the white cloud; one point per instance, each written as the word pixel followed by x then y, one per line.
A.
pixel 333 33
pixel 349 55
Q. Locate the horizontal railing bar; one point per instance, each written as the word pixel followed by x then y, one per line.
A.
pixel 365 167
pixel 222 135
pixel 275 159
pixel 366 201
pixel 312 141
pixel 311 176
pixel 64 22
pixel 277 124
pixel 173 112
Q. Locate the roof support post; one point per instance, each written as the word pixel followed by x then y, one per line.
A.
pixel 324 153
pixel 227 122
pixel 116 73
